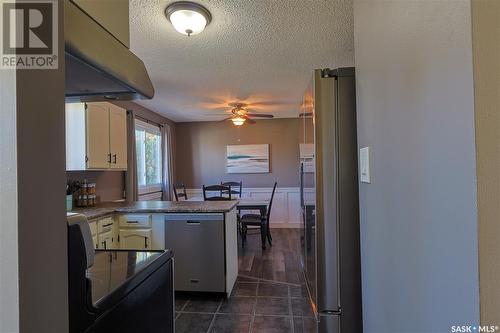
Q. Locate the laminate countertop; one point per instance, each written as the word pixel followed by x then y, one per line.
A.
pixel 157 207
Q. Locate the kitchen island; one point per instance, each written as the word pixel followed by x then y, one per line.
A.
pixel 201 234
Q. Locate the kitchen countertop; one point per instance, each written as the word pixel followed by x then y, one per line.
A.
pixel 104 209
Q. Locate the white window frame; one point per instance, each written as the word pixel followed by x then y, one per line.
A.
pixel 153 188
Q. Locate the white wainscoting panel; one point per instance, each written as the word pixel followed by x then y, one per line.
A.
pixel 285 212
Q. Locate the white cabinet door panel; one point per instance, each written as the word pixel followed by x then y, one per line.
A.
pixel 118 137
pixel 135 239
pixel 75 136
pixel 105 240
pixel 98 136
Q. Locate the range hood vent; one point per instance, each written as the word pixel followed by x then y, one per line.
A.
pixel 98 66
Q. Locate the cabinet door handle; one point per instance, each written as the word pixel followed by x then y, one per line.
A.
pixel 133 222
pixel 114 158
pixel 104 245
pixel 109 158
pixel 145 242
pixel 193 222
pixel 107 225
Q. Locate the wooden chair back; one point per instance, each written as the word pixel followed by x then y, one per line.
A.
pixel 271 203
pixel 178 194
pixel 217 188
pixel 236 187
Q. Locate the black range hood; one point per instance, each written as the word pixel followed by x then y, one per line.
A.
pixel 98 66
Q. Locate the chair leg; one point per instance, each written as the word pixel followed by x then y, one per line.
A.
pixel 243 235
pixel 269 238
pixel 263 236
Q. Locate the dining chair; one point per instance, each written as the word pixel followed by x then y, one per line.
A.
pixel 236 187
pixel 217 188
pixel 180 194
pixel 260 221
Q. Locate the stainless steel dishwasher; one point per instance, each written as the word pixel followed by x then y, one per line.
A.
pixel 197 241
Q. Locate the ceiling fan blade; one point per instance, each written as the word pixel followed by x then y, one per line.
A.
pixel 272 103
pixel 226 119
pixel 260 115
pixel 248 119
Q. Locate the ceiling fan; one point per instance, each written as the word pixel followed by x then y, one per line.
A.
pixel 240 114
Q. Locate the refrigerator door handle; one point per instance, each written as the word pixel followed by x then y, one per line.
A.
pixel 331 312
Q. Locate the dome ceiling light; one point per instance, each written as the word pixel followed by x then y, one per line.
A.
pixel 238 121
pixel 187 17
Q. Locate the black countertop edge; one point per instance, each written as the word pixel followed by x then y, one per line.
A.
pixel 132 282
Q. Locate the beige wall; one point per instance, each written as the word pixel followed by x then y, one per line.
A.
pixel 143 112
pixel 113 15
pixel 42 230
pixel 415 103
pixel 9 286
pixel 109 184
pixel 201 152
pixel 486 49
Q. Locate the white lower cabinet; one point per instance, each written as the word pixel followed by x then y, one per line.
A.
pixel 104 233
pixel 93 231
pixel 141 231
pixel 106 240
pixel 135 239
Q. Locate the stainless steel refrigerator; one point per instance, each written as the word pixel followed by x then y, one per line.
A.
pixel 329 200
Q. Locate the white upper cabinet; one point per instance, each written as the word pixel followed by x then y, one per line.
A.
pixel 75 137
pixel 98 124
pixel 96 137
pixel 118 137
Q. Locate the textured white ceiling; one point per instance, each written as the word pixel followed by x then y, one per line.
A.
pixel 257 51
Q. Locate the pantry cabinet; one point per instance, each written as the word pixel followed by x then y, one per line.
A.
pixel 96 137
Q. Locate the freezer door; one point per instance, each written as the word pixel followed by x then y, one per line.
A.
pixel 327 187
pixel 329 324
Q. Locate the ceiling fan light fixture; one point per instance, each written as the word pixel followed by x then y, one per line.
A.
pixel 187 17
pixel 238 121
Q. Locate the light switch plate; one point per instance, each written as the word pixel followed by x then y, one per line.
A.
pixel 364 165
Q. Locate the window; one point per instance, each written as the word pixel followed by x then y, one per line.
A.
pixel 148 146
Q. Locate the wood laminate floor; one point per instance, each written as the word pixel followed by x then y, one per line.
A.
pixel 269 295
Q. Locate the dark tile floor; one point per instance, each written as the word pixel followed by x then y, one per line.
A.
pixel 269 295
